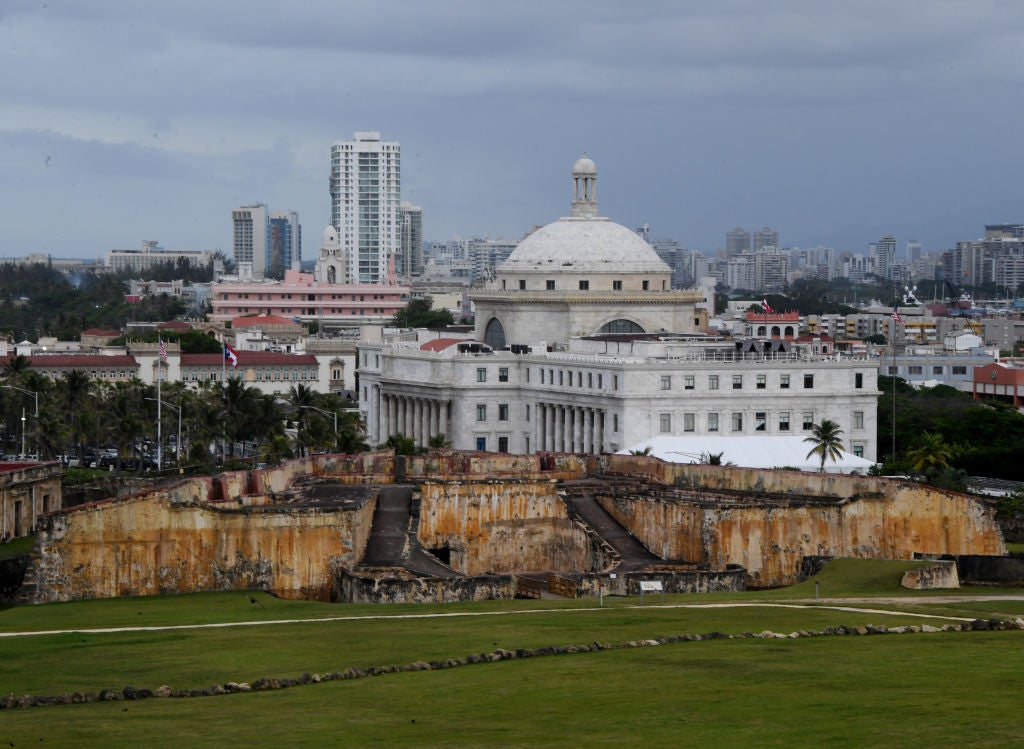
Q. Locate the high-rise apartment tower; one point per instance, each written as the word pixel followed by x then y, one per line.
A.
pixel 366 190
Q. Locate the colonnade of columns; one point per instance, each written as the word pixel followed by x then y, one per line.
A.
pixel 575 429
pixel 413 416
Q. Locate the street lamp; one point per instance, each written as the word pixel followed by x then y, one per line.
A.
pixel 159 441
pixel 35 395
pixel 327 413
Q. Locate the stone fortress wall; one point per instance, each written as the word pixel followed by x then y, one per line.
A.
pixel 493 514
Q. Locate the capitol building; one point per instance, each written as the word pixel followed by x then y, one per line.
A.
pixel 581 345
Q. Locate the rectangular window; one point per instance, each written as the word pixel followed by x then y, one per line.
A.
pixel 584 285
pixel 600 381
pixel 858 380
pixel 527 411
pixel 762 382
pixel 666 382
pixel 503 412
pixel 646 285
pixel 502 444
pixel 549 285
pixel 665 423
pixel 712 422
pixel 528 374
pixel 737 422
pixel 937 370
pixel 784 382
pixel 615 382
pixel 892 369
pixel 959 370
pixel 502 374
pixel 481 412
pixel 808 421
pixel 561 377
pixel 522 284
pixel 615 422
pixel 915 369
pixel 481 374
pixel 858 450
pixel 689 423
pixel 737 382
pixel 616 285
pixel 481 443
pixel 688 382
pixel 784 421
pixel 590 379
pixel 858 419
pixel 712 382
pixel 808 381
pixel 760 421
pixel 542 377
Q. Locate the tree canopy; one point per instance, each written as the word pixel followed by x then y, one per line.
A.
pixel 418 313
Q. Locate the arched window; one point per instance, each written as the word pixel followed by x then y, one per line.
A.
pixel 762 330
pixel 620 326
pixel 330 274
pixel 776 331
pixel 789 331
pixel 494 334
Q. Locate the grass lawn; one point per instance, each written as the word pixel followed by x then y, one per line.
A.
pixel 17 547
pixel 941 689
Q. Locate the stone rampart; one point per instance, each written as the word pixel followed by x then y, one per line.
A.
pixel 174 541
pixel 389 588
pixel 768 521
pixel 502 526
pixel 941 574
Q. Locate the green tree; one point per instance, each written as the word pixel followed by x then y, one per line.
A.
pixel 931 455
pixel 418 313
pixel 401 444
pixel 826 440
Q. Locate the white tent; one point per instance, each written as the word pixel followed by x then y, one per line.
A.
pixel 748 452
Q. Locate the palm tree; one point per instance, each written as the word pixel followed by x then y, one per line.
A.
pixel 300 396
pixel 439 441
pixel 932 454
pixel 714 459
pixel 826 441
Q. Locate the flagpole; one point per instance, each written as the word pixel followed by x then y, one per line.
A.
pixel 224 397
pixel 159 404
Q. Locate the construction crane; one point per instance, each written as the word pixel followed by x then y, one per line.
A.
pixel 972 325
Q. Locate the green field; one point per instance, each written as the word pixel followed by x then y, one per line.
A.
pixel 937 689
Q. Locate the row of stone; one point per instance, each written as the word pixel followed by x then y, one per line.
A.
pixel 264 684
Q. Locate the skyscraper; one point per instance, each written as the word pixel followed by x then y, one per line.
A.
pixel 885 257
pixel 366 189
pixel 737 241
pixel 767 237
pixel 265 242
pixel 411 240
pixel 284 243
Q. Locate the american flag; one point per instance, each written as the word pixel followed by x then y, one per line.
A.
pixel 163 349
pixel 896 315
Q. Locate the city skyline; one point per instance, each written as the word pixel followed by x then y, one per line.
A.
pixel 834 124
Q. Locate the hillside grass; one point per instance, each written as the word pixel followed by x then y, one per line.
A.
pixel 942 689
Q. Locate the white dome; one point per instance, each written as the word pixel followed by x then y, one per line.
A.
pixel 584 166
pixel 587 245
pixel 330 235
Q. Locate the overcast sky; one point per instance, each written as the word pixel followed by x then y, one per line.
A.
pixel 833 122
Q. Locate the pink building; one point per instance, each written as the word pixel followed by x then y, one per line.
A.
pixel 301 296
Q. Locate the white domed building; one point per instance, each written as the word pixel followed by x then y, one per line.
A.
pixel 581 345
pixel 582 275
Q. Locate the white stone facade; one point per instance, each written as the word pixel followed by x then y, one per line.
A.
pixel 586 400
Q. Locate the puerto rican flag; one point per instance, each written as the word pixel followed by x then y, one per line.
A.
pixel 765 306
pixel 230 356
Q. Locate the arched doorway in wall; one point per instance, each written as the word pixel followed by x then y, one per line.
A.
pixel 620 326
pixel 494 334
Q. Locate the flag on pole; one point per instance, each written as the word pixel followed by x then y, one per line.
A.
pixel 163 349
pixel 231 356
pixel 765 306
pixel 896 315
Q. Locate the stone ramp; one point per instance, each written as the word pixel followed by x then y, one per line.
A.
pixel 393 542
pixel 634 555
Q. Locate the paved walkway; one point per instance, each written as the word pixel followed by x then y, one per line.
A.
pixel 835 604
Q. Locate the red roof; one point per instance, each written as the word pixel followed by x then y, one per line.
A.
pixel 440 344
pixel 249 358
pixel 173 325
pixel 78 361
pixel 251 320
pixel 808 337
